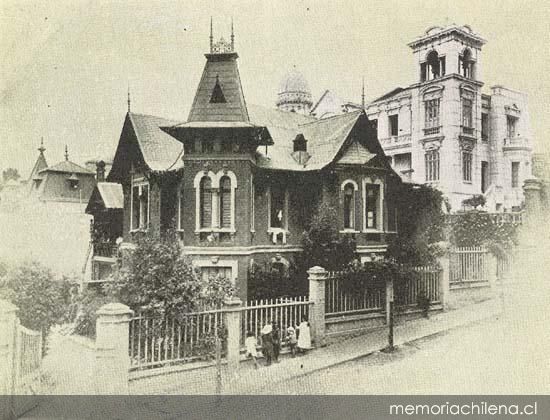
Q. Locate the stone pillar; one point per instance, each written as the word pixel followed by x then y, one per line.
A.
pixel 317 276
pixel 8 323
pixel 112 358
pixel 232 313
pixel 444 264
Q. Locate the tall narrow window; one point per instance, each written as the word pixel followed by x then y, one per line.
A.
pixel 432 113
pixel 432 165
pixel 277 210
pixel 511 126
pixel 484 126
pixel 467 106
pixel 515 174
pixel 484 176
pixel 205 203
pixel 225 202
pixel 467 166
pixel 394 125
pixel 140 204
pixel 371 205
pixel 349 206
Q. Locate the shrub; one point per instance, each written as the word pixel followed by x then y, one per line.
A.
pixel 269 282
pixel 159 280
pixel 475 228
pixel 89 303
pixel 41 298
pixel 324 245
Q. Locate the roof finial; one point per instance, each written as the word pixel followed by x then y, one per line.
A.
pixel 66 152
pixel 41 149
pixel 232 36
pixel 129 101
pixel 211 35
pixel 363 94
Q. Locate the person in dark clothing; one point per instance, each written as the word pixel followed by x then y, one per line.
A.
pixel 267 343
pixel 276 338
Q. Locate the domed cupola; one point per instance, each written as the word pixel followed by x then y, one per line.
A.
pixel 294 94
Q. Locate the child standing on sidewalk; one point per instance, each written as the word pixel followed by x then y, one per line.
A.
pixel 250 344
pixel 291 340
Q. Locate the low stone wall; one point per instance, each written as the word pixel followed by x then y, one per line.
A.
pixel 463 294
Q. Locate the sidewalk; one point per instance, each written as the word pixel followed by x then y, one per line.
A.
pixel 249 381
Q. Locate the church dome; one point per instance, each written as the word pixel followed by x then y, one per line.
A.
pixel 294 94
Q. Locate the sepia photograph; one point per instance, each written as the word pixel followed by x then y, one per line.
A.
pixel 289 209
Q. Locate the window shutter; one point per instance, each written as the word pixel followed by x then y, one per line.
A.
pixel 206 203
pixel 225 203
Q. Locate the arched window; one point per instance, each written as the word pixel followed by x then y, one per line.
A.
pixel 349 206
pixel 466 64
pixel 225 202
pixel 433 65
pixel 205 202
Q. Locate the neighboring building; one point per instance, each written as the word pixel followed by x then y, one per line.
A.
pixel 443 131
pixel 65 186
pixel 240 183
pixel 294 94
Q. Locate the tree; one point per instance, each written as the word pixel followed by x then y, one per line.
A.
pixel 324 245
pixel 41 298
pixel 10 173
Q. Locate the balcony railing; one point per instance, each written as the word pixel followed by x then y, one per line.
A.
pixel 468 130
pixel 430 131
pixel 396 141
pixel 105 249
pixel 516 142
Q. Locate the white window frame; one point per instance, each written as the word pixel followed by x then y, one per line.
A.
pixel 214 262
pixel 353 228
pixel 139 181
pixel 380 217
pixel 215 185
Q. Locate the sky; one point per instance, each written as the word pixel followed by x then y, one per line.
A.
pixel 66 65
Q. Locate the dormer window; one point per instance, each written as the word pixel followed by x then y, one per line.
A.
pixel 73 182
pixel 300 143
pixel 217 94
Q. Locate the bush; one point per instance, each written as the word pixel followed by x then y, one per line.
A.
pixel 475 228
pixel 41 298
pixel 269 282
pixel 89 303
pixel 324 245
pixel 159 280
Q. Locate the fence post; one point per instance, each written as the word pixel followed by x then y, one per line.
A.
pixel 112 361
pixel 317 276
pixel 7 345
pixel 232 312
pixel 444 263
pixel 389 300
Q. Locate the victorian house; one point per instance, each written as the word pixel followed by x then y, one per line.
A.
pixel 238 182
pixel 445 131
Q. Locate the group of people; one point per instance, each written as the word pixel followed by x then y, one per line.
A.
pixel 297 338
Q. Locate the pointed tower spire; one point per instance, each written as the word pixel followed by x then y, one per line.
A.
pixel 66 152
pixel 211 35
pixel 129 101
pixel 363 94
pixel 41 149
pixel 232 36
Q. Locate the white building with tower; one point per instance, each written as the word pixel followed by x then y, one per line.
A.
pixel 442 130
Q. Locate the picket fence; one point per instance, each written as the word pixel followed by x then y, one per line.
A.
pixel 164 341
pixel 28 361
pixel 340 300
pixel 469 264
pixel 157 342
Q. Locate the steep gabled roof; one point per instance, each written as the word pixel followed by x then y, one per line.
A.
pixel 160 150
pixel 39 166
pixel 219 97
pixel 106 195
pixel 325 137
pixel 68 167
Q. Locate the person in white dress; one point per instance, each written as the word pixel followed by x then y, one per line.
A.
pixel 304 336
pixel 250 344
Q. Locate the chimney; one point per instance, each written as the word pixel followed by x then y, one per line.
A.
pixel 100 171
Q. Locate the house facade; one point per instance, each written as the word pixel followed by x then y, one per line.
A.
pixel 444 131
pixel 239 183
